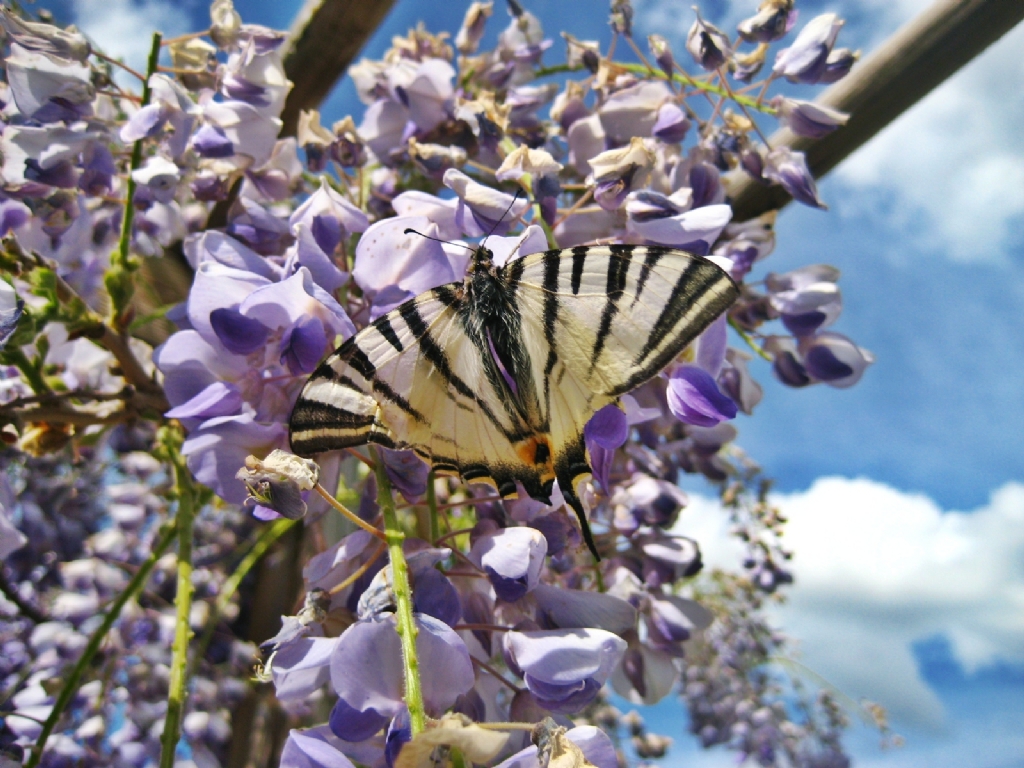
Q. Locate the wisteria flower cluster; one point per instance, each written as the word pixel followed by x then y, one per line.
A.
pixel 457 609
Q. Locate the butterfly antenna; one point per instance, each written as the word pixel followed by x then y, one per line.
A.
pixel 515 199
pixel 411 231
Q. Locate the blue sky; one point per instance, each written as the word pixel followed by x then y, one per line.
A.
pixel 904 492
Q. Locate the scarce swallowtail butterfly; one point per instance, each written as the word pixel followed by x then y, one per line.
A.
pixel 494 378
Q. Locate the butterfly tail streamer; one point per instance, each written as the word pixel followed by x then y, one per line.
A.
pixel 577 506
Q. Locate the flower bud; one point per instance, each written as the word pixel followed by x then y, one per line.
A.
pixel 789 169
pixel 662 54
pixel 808 118
pixel 708 45
pixel 617 172
pixel 805 61
pixel 468 37
pixel 774 18
pixel 277 482
pixel 838 64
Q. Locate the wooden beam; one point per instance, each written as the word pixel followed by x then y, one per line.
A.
pixel 324 39
pixel 921 55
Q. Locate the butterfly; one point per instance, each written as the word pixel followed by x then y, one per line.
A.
pixel 494 378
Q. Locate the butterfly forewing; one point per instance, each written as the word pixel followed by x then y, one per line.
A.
pixel 617 315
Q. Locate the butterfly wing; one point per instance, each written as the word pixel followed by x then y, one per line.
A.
pixel 616 316
pixel 599 322
pixel 419 378
pixel 588 324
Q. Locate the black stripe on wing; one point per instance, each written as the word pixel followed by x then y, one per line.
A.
pixel 701 293
pixel 620 258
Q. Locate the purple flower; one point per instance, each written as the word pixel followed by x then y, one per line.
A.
pixel 585 137
pixel 693 395
pixel 559 608
pixel 160 177
pixel 512 558
pixel 439 211
pixel 671 620
pixel 736 382
pixel 771 22
pixel 468 37
pixel 671 124
pixel 212 142
pixel 257 77
pixel 384 127
pixel 606 431
pixel 390 264
pixel 301 666
pixel 218 399
pixel 424 88
pixel 46 88
pixel 708 45
pixel 407 472
pixel 258 228
pixel 564 668
pixel 251 132
pixel 805 61
pixel 44 155
pixel 633 111
pixel 217 448
pixel 671 221
pixel 787 363
pixel 789 168
pixel 838 65
pixel 834 359
pixel 170 104
pixel 652 501
pixel 483 210
pixel 667 558
pixel 313 748
pixel 366 673
pixel 277 482
pixel 808 118
pixel 806 298
pixel 329 217
pixel 525 101
pixel 646 675
pixel 617 172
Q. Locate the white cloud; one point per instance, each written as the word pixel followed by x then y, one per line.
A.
pixel 124 28
pixel 877 570
pixel 951 169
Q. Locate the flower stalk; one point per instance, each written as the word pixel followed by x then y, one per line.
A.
pixel 118 280
pixel 403 599
pixel 177 688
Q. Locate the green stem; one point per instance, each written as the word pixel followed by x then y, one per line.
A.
pixel 120 259
pixel 435 521
pixel 548 232
pixel 96 639
pixel 266 539
pixel 17 357
pixel 641 69
pixel 177 688
pixel 403 598
pixel 750 341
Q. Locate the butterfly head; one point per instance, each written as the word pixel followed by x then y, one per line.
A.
pixel 483 260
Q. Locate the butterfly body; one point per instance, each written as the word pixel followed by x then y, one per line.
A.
pixel 494 378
